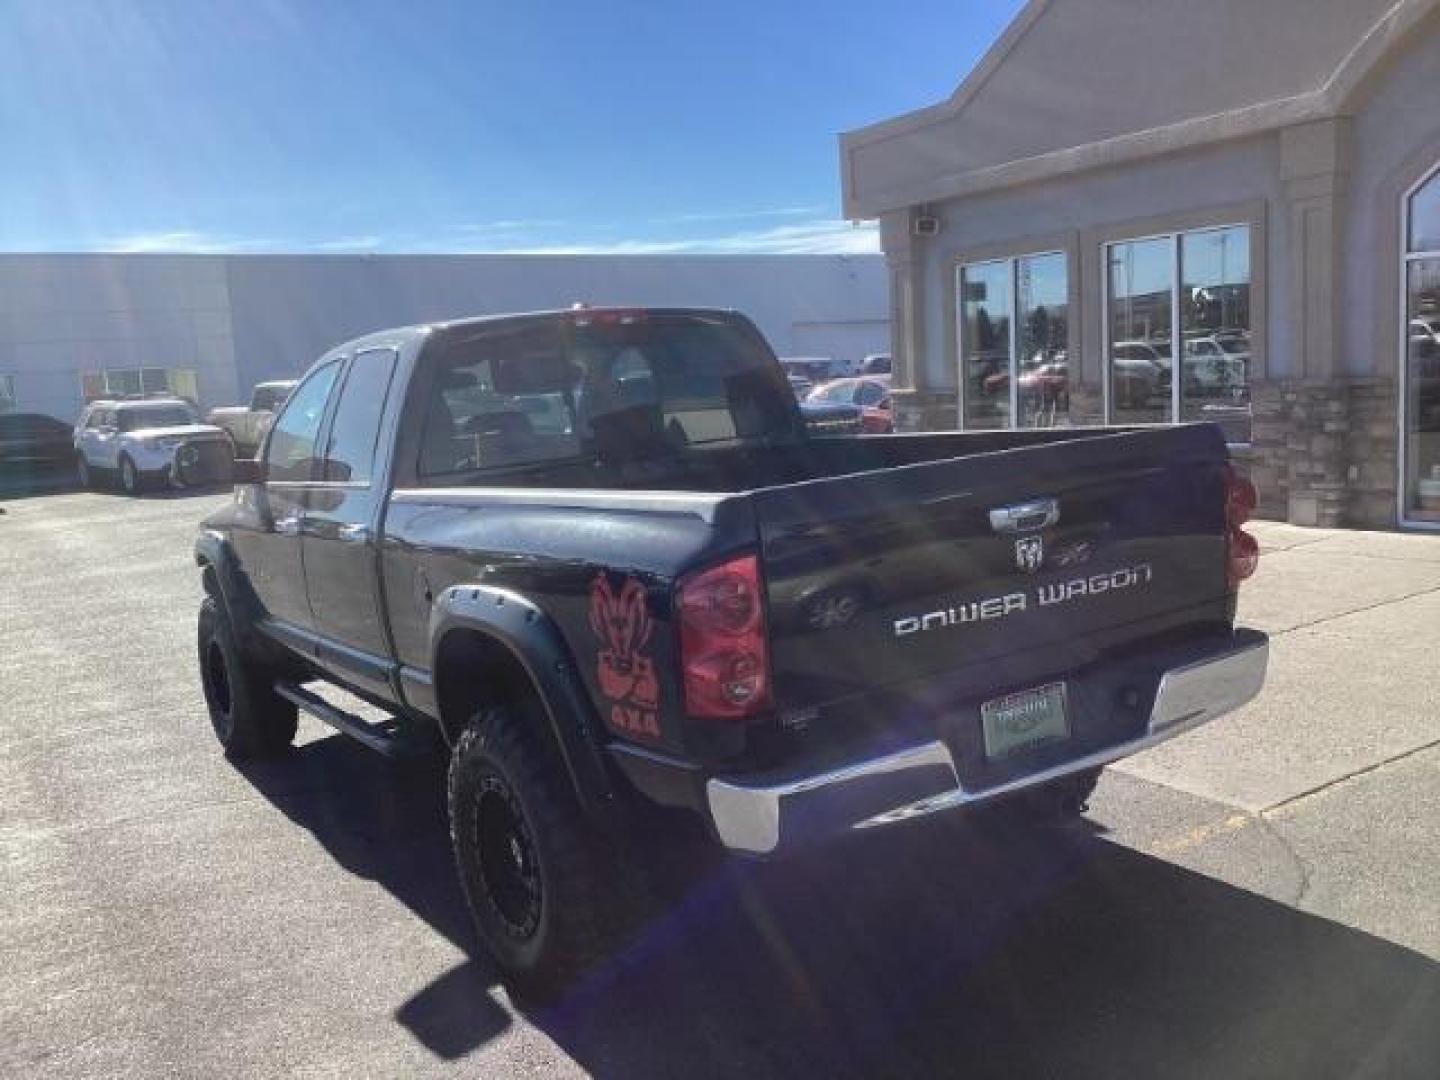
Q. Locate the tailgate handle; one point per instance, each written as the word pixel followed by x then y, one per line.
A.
pixel 1025 516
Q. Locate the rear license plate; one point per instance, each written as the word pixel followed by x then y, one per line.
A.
pixel 1024 720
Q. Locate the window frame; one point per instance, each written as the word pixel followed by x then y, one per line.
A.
pixel 1177 345
pixel 1011 262
pixel 1402 383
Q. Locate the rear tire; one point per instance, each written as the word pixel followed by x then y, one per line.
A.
pixel 250 719
pixel 1056 803
pixel 547 891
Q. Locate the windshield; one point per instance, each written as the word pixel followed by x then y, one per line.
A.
pixel 603 385
pixel 156 416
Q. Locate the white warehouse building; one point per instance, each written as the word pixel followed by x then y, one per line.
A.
pixel 76 327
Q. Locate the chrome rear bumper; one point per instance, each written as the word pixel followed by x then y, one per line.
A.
pixel 757 818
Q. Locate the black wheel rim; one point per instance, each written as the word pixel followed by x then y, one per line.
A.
pixel 217 686
pixel 507 859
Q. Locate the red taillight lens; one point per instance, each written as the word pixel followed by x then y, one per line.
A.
pixel 1242 556
pixel 1242 551
pixel 723 650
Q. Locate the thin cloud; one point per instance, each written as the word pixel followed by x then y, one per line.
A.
pixel 516 224
pixel 822 236
pixel 184 241
pixel 738 215
pixel 350 243
pixel 808 238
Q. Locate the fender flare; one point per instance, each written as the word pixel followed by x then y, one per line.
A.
pixel 213 552
pixel 533 639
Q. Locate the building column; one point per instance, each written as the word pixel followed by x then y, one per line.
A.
pixel 916 404
pixel 1318 455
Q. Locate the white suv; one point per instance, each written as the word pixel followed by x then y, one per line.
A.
pixel 149 441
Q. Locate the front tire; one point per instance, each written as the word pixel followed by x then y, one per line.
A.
pixel 83 474
pixel 250 719
pixel 132 481
pixel 545 889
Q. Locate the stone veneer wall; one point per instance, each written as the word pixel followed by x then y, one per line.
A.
pixel 1321 454
pixel 1324 453
pixel 924 410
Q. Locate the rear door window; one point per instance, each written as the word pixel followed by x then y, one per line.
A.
pixel 355 431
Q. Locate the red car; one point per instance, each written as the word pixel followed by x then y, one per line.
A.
pixel 870 392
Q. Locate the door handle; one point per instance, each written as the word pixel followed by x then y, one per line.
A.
pixel 1026 516
pixel 289 526
pixel 354 534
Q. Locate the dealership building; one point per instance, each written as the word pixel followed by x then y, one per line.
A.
pixel 78 327
pixel 1170 211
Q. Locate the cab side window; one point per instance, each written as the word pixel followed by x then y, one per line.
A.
pixel 290 453
pixel 355 431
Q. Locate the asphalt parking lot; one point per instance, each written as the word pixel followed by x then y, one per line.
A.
pixel 1259 898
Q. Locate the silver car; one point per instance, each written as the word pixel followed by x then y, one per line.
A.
pixel 147 442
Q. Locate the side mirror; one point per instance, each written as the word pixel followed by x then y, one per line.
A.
pixel 248 471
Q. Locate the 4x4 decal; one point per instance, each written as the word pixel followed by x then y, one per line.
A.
pixel 623 671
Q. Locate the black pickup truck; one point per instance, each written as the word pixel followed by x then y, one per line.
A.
pixel 597 555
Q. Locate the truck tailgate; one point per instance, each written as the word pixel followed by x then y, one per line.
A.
pixel 1017 564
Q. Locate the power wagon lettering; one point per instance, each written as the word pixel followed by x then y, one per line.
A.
pixel 1048 595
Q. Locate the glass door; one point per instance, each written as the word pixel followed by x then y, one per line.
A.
pixel 1420 376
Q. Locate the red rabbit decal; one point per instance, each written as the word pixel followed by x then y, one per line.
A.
pixel 625 674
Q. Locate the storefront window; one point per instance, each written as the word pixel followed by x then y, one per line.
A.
pixel 1215 329
pixel 1142 276
pixel 1422 355
pixel 1205 277
pixel 1015 366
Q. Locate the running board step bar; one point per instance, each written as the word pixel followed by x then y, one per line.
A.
pixel 393 738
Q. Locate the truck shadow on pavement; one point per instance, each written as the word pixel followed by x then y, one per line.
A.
pixel 939 949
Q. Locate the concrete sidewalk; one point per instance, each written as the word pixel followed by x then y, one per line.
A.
pixel 1324 792
pixel 1354 680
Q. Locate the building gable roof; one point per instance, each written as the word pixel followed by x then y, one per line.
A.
pixel 1075 84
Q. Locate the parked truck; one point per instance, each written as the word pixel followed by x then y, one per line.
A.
pixel 246 424
pixel 598 556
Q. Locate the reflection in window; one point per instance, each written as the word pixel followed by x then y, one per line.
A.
pixel 1424 227
pixel 1041 363
pixel 290 450
pixel 7 393
pixel 1015 375
pixel 1140 330
pixel 1422 355
pixel 1212 340
pixel 1215 329
pixel 985 343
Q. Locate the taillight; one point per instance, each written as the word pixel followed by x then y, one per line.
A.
pixel 722 640
pixel 1242 551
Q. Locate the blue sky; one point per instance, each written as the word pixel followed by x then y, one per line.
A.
pixel 352 126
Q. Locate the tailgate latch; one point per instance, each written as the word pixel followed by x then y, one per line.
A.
pixel 1022 517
